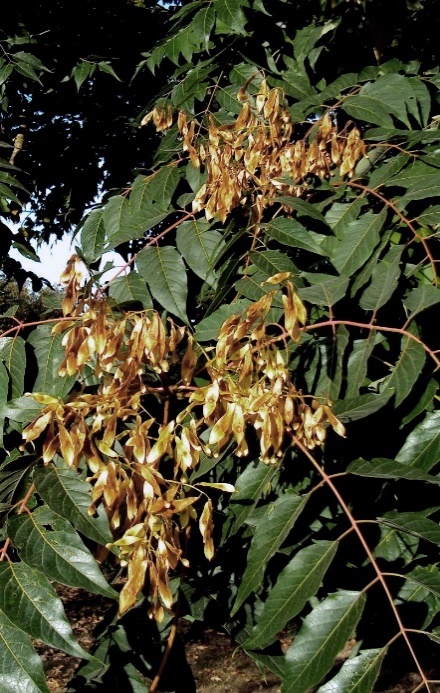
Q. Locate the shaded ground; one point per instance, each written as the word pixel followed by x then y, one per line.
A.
pixel 217 664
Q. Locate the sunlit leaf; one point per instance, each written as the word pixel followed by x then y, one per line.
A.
pixel 29 600
pixel 296 583
pixel 67 494
pixel 130 288
pixel 209 327
pixel 49 353
pixel 269 535
pixel 199 245
pixel 357 674
pixel 358 407
pixel 293 234
pixel 164 271
pixel 383 281
pixel 48 542
pixel 422 447
pixel 407 369
pixel 413 523
pixel 21 669
pixel 250 486
pixel 230 13
pixel 421 298
pixel 355 243
pixel 323 634
pixel 93 240
pixel 382 468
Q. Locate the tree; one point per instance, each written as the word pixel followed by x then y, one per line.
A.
pixel 247 419
pixel 69 101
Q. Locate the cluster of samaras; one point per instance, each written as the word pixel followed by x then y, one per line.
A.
pixel 257 157
pixel 139 467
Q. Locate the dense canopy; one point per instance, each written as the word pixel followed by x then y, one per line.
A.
pixel 245 420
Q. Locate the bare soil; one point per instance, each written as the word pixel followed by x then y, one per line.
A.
pixel 218 666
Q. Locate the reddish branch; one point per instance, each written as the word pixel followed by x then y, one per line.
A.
pixel 380 575
pixel 378 328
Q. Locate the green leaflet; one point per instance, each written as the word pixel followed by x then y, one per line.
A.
pixel 341 214
pixel 49 353
pixel 5 72
pixel 358 364
pixel 164 271
pixel 426 577
pixel 125 219
pixel 383 281
pixel 13 473
pixel 23 409
pixel 414 523
pixel 13 355
pixel 325 370
pixel 358 407
pixel 93 240
pixel 129 289
pixel 230 14
pixel 119 224
pixel 382 468
pixel 355 243
pixel 357 675
pixel 81 72
pixel 387 170
pixel 407 369
pixel 296 583
pixel 4 382
pixel 425 402
pixel 181 43
pixel 423 585
pixel 48 542
pixel 252 287
pixel 21 669
pixel 306 40
pixel 67 494
pixel 364 107
pixel 271 262
pixel 191 88
pixel 250 486
pixel 202 25
pixel 270 533
pixel 322 635
pixel 327 290
pixel 365 274
pixel 421 298
pixel 209 327
pixel 422 447
pixel 29 600
pixel 291 233
pixel 302 207
pixel 391 96
pixel 393 546
pixel 152 194
pixel 7 194
pixel 430 216
pixel 199 246
pixel 424 187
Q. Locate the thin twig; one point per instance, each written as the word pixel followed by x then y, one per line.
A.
pixel 378 328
